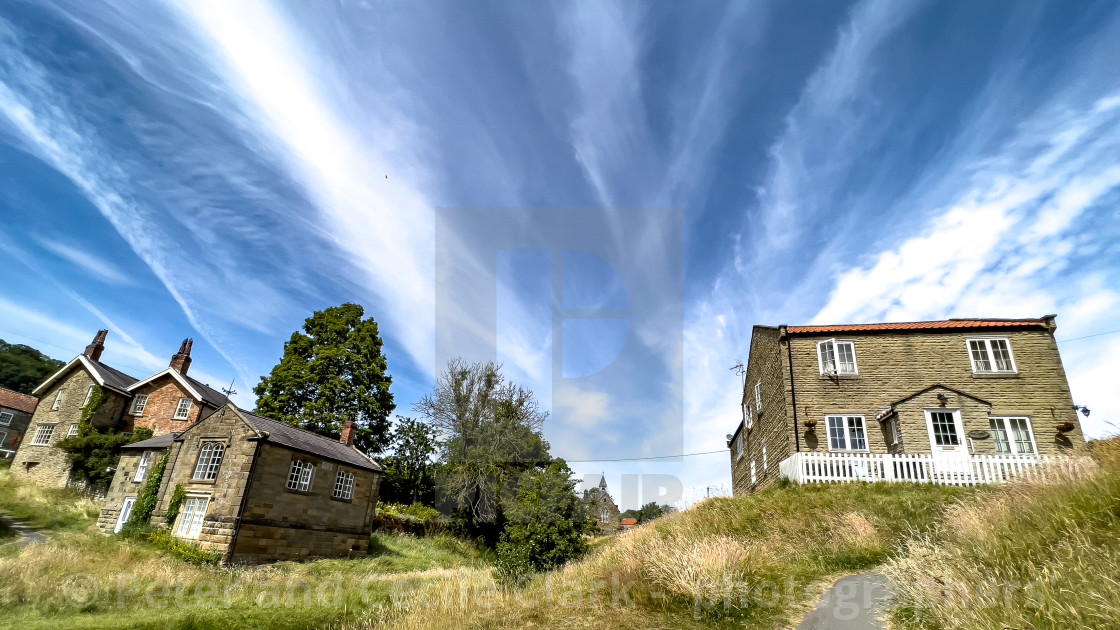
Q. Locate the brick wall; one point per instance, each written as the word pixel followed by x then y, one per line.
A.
pixel 770 427
pixel 49 465
pixel 163 400
pixel 893 366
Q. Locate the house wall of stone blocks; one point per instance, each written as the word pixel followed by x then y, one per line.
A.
pixel 279 523
pixel 124 485
pixel 49 465
pixel 769 427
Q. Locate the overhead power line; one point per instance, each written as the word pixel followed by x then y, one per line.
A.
pixel 1100 334
pixel 639 459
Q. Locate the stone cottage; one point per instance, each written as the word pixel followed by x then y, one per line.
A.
pixel 64 395
pixel 16 410
pixel 947 389
pixel 606 513
pixel 257 490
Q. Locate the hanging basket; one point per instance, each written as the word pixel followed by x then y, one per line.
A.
pixel 809 424
pixel 1064 427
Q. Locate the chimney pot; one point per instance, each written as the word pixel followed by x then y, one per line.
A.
pixel 349 431
pixel 97 346
pixel 181 360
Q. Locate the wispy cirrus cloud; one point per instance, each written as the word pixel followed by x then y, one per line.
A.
pixel 90 263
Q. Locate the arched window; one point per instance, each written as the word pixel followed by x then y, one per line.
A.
pixel 605 517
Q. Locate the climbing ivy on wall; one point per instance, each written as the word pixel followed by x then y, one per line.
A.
pixel 149 496
pixel 94 455
pixel 173 506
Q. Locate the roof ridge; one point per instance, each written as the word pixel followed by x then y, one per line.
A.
pixel 8 389
pixel 292 426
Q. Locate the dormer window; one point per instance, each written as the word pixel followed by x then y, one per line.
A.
pixel 837 357
pixel 183 409
pixel 991 356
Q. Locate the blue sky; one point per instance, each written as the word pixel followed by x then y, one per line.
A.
pixel 221 169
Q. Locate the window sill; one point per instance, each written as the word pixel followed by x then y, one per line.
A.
pixel 341 500
pixel 863 452
pixel 839 377
pixel 995 375
pixel 208 482
pixel 305 493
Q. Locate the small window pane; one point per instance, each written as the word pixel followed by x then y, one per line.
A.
pixel 845 350
pixel 1022 433
pixel 72 431
pixel 828 357
pixel 980 355
pixel 944 429
pixel 139 403
pixel 344 485
pixel 758 396
pixel 209 460
pixel 857 441
pixel 183 409
pixel 58 398
pixel 999 435
pixel 89 394
pixel 754 478
pixel 43 435
pixel 836 439
pixel 6 418
pixel 1002 355
pixel 142 468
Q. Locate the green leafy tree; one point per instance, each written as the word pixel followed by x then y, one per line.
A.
pixel 22 367
pixel 408 471
pixel 490 432
pixel 331 372
pixel 94 454
pixel 547 521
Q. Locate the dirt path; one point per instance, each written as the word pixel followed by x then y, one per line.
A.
pixel 26 534
pixel 853 603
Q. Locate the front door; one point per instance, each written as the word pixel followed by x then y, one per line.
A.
pixel 946 440
pixel 126 512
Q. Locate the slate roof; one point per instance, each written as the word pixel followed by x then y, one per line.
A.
pixel 308 442
pixel 948 324
pixel 158 442
pixel 19 402
pixel 114 379
pixel 210 395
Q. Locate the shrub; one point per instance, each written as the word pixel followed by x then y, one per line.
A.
pixel 414 520
pixel 194 554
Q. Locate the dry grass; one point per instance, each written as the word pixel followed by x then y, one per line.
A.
pixel 1026 556
pixel 46 508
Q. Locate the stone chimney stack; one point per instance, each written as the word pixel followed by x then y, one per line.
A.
pixel 349 430
pixel 181 360
pixel 97 346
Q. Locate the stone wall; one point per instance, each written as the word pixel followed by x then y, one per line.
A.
pixel 614 517
pixel 226 491
pixel 770 429
pixel 281 523
pixel 124 485
pixel 163 399
pixel 49 465
pixel 895 365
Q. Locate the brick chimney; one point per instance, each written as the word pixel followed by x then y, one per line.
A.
pixel 181 360
pixel 349 430
pixel 97 346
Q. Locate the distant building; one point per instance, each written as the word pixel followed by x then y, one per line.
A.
pixel 629 523
pixel 16 410
pixel 606 513
pixel 947 389
pixel 257 490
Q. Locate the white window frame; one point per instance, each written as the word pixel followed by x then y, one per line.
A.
pixel 6 418
pixel 990 355
pixel 58 398
pixel 207 469
pixel 758 396
pixel 301 475
pixel 89 394
pixel 605 516
pixel 836 369
pixel 1009 437
pixel 73 430
pixel 739 446
pixel 748 415
pixel 191 516
pixel 896 429
pixel 754 475
pixel 139 403
pixel 847 432
pixel 344 485
pixel 945 449
pixel 180 413
pixel 46 430
pixel 3 438
pixel 126 511
pixel 764 464
pixel 142 467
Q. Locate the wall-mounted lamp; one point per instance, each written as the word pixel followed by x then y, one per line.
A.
pixel 943 399
pixel 1083 409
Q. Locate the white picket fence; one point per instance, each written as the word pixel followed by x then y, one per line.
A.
pixel 957 470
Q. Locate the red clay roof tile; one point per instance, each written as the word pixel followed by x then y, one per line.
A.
pixel 17 401
pixel 948 324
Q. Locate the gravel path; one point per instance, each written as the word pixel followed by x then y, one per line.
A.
pixel 853 603
pixel 26 534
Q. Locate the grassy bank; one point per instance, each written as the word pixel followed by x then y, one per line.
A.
pixel 50 509
pixel 1025 556
pixel 753 561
